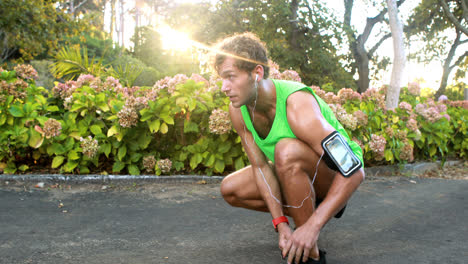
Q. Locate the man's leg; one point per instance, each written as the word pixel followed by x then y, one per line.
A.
pixel 296 166
pixel 239 189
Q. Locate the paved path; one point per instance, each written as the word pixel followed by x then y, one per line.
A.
pixel 391 220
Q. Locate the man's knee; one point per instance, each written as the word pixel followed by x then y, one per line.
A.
pixel 287 157
pixel 228 190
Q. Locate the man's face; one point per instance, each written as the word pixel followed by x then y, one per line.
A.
pixel 238 85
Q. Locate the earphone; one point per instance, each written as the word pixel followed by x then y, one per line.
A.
pixel 256 77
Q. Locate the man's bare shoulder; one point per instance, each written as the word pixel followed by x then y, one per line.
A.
pixel 303 101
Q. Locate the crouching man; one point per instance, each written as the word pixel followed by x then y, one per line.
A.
pixel 303 164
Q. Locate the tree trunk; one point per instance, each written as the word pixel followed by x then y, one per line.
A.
pixel 361 56
pixel 399 57
pixel 447 68
pixel 362 61
pixel 112 20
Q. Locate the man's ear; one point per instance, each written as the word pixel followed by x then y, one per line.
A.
pixel 257 73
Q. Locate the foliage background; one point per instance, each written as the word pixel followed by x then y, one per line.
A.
pixel 181 125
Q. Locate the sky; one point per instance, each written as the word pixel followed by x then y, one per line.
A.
pixel 431 73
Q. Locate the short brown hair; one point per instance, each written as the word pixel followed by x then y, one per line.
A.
pixel 247 50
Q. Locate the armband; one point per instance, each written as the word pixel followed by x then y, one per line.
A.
pixel 340 154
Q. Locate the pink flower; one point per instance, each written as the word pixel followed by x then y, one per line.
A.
pixel 128 117
pixel 112 84
pixel 446 116
pixel 441 108
pixel 347 120
pixel 220 123
pixel 405 106
pixel 290 75
pixel 406 152
pixel 52 128
pixel 64 90
pixel 348 94
pixel 164 165
pixel 198 78
pixel 414 88
pixel 85 79
pixel 176 80
pixel 412 124
pixel 377 146
pixel 361 117
pixel 329 98
pixel 25 71
pixel 442 98
pixel 148 163
pixel 89 146
pixel 389 131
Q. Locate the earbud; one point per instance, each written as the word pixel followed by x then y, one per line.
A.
pixel 256 77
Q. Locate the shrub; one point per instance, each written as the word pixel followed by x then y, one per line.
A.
pixel 181 125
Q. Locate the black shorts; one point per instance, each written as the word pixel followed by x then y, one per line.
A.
pixel 338 215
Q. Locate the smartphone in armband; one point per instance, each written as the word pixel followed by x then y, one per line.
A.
pixel 340 152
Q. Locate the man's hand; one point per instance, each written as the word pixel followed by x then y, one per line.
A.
pixel 285 233
pixel 300 244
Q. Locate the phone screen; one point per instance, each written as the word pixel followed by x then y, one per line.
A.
pixel 341 154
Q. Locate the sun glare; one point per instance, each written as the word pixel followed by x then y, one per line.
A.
pixel 174 40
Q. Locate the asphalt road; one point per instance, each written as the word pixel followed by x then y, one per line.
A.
pixel 388 220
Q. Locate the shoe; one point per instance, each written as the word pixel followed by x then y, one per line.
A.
pixel 322 259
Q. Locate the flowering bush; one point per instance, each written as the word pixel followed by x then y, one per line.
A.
pixel 182 125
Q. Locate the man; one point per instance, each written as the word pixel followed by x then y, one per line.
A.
pixel 282 125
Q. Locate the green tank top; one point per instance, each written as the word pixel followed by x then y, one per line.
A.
pixel 280 128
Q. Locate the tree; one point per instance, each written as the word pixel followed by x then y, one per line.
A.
pixel 31 28
pixel 435 22
pixel 399 58
pixel 300 35
pixel 361 55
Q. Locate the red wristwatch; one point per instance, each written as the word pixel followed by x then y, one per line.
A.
pixel 278 220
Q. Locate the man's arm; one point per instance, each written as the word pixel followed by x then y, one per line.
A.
pixel 260 166
pixel 304 116
pixel 309 125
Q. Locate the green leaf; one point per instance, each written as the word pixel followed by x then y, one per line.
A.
pixel 154 125
pixel 143 141
pixel 70 165
pixel 211 160
pixel 224 147
pixel 58 149
pixel 23 167
pixel 73 155
pixel 133 170
pixel 432 150
pixel 16 111
pixel 219 166
pixel 239 163
pixel 118 166
pixel 83 169
pixel 57 161
pixel 183 156
pixel 35 139
pixel 3 118
pixel 169 120
pixel 112 131
pixel 106 148
pixel 164 128
pixel 195 160
pixel 388 155
pixel 95 129
pixel 135 157
pixel 53 108
pixel 190 127
pixel 122 152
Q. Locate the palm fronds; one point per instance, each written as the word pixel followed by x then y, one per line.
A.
pixel 71 61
